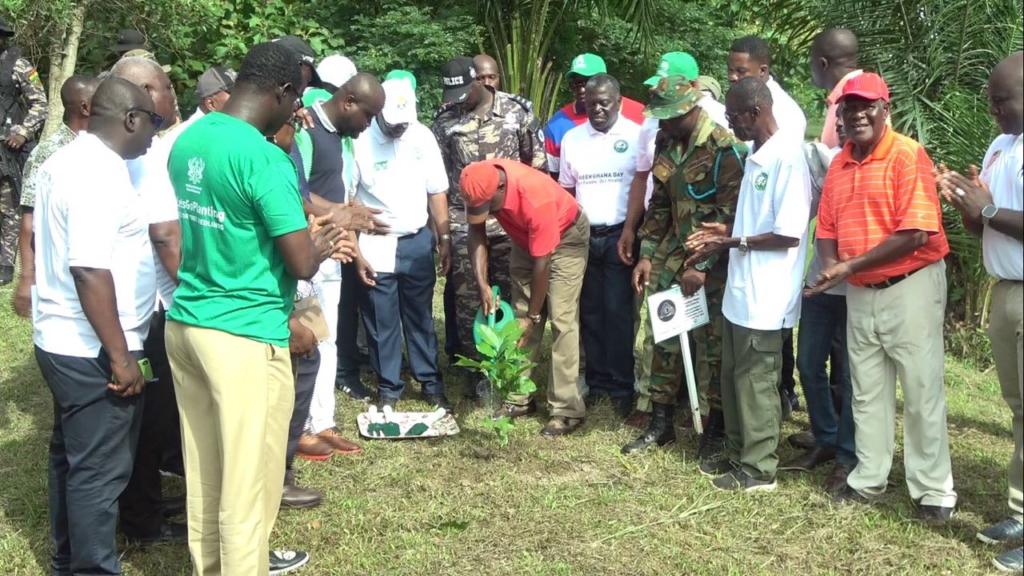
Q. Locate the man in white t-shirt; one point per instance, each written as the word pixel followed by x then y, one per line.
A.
pixel 750 57
pixel 598 161
pixel 401 172
pixel 768 243
pixel 140 506
pixel 95 286
pixel 993 208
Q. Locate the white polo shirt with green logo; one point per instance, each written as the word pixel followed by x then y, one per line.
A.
pixel 600 166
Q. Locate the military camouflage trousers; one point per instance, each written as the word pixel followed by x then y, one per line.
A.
pixel 667 361
pixel 10 221
pixel 467 294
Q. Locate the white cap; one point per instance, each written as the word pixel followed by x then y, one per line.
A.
pixel 399 102
pixel 336 70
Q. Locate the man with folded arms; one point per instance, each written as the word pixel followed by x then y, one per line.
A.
pixel 880 229
pixel 550 243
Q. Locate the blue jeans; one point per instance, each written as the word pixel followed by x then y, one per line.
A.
pixel 823 319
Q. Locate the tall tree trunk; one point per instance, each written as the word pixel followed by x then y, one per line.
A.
pixel 63 57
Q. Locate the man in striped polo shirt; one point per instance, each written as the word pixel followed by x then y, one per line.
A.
pixel 880 229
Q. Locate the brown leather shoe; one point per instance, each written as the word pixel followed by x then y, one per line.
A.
pixel 509 410
pixel 802 440
pixel 810 459
pixel 836 482
pixel 638 419
pixel 313 448
pixel 561 426
pixel 333 438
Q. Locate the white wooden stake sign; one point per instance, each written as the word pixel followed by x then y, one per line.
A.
pixel 673 314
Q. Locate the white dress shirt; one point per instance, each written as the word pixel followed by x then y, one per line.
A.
pixel 600 166
pixel 788 114
pixel 150 179
pixel 764 287
pixel 89 215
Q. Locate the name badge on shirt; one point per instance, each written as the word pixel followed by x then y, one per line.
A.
pixel 380 166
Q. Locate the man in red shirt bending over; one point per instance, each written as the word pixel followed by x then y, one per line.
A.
pixel 550 243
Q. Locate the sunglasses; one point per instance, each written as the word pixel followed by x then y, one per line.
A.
pixel 155 118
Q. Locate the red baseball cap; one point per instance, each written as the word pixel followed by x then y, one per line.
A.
pixel 478 183
pixel 868 85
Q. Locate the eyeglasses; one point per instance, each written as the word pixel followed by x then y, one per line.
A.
pixel 155 118
pixel 734 116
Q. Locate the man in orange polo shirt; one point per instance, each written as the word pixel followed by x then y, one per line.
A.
pixel 550 244
pixel 880 229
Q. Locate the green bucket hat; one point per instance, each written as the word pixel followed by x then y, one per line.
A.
pixel 587 65
pixel 673 63
pixel 672 97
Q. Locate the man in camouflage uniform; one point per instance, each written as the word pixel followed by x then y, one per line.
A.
pixel 697 176
pixel 482 124
pixel 23 106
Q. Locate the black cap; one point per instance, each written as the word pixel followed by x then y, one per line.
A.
pixel 129 39
pixel 299 46
pixel 457 77
pixel 6 29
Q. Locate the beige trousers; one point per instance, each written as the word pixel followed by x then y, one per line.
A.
pixel 562 308
pixel 1005 331
pixel 235 397
pixel 892 333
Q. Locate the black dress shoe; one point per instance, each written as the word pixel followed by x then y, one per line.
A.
pixel 513 411
pixel 392 402
pixel 170 533
pixel 836 481
pixel 561 426
pixel 173 506
pixel 297 497
pixel 848 496
pixel 802 440
pixel 935 514
pixel 810 459
pixel 439 400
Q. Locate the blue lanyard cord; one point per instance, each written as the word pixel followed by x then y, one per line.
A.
pixel 718 167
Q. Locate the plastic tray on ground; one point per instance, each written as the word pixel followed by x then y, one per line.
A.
pixel 405 425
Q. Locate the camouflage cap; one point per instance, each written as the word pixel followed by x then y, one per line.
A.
pixel 674 96
pixel 145 54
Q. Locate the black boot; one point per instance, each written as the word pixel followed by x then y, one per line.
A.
pixel 295 496
pixel 712 441
pixel 660 431
pixel 6 275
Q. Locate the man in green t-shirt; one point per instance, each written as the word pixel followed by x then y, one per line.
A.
pixel 244 244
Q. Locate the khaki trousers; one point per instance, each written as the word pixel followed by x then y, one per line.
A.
pixel 235 397
pixel 1005 331
pixel 562 308
pixel 897 332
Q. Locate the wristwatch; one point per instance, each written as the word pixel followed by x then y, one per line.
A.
pixel 445 237
pixel 743 247
pixel 535 318
pixel 988 212
pixel 702 266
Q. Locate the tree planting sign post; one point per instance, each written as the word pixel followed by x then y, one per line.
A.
pixel 674 315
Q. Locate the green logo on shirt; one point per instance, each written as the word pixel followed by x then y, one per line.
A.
pixel 761 182
pixel 621 146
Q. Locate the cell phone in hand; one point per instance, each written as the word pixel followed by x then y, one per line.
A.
pixel 146 368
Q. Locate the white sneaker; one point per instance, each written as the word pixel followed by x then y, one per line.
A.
pixel 284 561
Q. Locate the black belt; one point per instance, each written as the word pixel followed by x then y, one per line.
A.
pixel 894 280
pixel 598 231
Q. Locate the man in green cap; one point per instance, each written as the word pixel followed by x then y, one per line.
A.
pixel 671 64
pixel 697 177
pixel 574 113
pixel 399 74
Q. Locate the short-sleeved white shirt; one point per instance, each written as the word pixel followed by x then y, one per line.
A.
pixel 89 215
pixel 600 166
pixel 397 175
pixel 788 114
pixel 1002 171
pixel 150 179
pixel 764 287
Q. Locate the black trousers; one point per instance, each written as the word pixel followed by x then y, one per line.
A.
pixel 402 302
pixel 348 325
pixel 305 369
pixel 141 502
pixel 91 450
pixel 607 316
pixel 788 379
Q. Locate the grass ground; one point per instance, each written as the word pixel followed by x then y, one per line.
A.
pixel 574 506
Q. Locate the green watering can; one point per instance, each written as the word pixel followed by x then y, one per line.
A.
pixel 497 320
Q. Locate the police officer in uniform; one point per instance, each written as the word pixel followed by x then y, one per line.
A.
pixel 23 110
pixel 697 176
